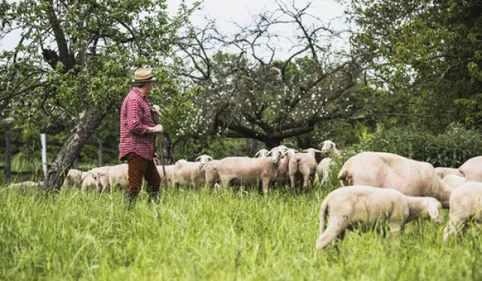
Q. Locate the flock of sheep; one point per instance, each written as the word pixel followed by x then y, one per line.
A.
pixel 377 186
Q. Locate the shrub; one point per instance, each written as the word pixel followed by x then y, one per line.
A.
pixel 449 149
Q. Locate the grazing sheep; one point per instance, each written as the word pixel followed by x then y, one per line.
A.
pixel 323 169
pixel 169 172
pixel 379 169
pixel 246 170
pixel 454 180
pixel 283 167
pixel 303 164
pixel 25 184
pixel 262 153
pixel 89 183
pixel 465 204
pixel 442 172
pixel 117 176
pixel 190 172
pixel 74 177
pixel 353 206
pixel 99 175
pixel 211 173
pixel 472 169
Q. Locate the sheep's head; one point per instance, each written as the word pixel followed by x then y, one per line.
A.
pixel 290 152
pixel 434 211
pixel 327 146
pixel 276 153
pixel 262 153
pixel 203 159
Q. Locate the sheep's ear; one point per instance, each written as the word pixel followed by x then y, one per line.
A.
pixel 306 150
pixel 433 211
pixel 210 158
pixel 199 157
pixel 256 155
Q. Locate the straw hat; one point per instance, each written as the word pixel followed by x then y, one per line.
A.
pixel 143 74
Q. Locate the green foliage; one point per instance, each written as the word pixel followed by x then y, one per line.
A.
pixel 449 149
pixel 194 235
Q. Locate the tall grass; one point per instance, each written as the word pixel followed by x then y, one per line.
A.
pixel 200 235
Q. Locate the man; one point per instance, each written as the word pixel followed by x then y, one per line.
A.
pixel 137 138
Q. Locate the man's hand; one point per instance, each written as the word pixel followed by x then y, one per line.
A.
pixel 156 129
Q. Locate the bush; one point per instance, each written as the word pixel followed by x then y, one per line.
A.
pixel 449 149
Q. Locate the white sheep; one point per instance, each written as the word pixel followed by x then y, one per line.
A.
pixel 323 169
pixel 303 164
pixel 472 169
pixel 74 177
pixel 169 172
pixel 465 204
pixel 99 176
pixel 246 170
pixel 262 153
pixel 25 184
pixel 442 172
pixel 211 174
pixel 89 183
pixel 379 169
pixel 190 172
pixel 453 180
pixel 354 206
pixel 117 176
pixel 283 167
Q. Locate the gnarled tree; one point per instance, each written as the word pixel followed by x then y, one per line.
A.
pixel 75 59
pixel 268 85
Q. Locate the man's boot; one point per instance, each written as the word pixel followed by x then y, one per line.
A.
pixel 129 201
pixel 153 197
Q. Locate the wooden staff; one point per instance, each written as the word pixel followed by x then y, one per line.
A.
pixel 157 119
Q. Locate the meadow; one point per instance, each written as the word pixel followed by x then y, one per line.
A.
pixel 205 235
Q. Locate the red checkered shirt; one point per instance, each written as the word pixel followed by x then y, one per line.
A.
pixel 135 118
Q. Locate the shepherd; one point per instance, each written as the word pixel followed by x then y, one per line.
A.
pixel 137 138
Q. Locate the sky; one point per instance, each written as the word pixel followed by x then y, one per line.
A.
pixel 228 12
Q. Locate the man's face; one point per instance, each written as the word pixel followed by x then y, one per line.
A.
pixel 149 86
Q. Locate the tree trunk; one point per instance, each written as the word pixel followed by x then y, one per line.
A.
pixel 251 146
pixel 8 166
pixel 76 162
pixel 100 153
pixel 78 137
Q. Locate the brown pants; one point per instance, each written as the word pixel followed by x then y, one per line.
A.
pixel 142 168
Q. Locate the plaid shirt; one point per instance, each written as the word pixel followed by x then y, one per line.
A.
pixel 135 118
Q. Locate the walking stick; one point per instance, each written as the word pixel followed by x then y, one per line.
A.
pixel 157 116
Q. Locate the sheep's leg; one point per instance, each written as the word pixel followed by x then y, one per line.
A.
pixel 454 225
pixel 328 236
pixel 265 185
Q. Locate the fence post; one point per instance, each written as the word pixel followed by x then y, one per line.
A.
pixel 8 151
pixel 43 142
pixel 100 153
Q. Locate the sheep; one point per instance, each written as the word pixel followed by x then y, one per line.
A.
pixel 89 183
pixel 25 184
pixel 211 175
pixel 380 169
pixel 169 172
pixel 262 153
pixel 453 180
pixel 323 168
pixel 442 172
pixel 472 169
pixel 99 175
pixel 117 176
pixel 304 164
pixel 354 206
pixel 465 204
pixel 74 177
pixel 246 170
pixel 190 172
pixel 283 167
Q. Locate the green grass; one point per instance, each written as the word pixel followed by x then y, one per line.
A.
pixel 199 235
